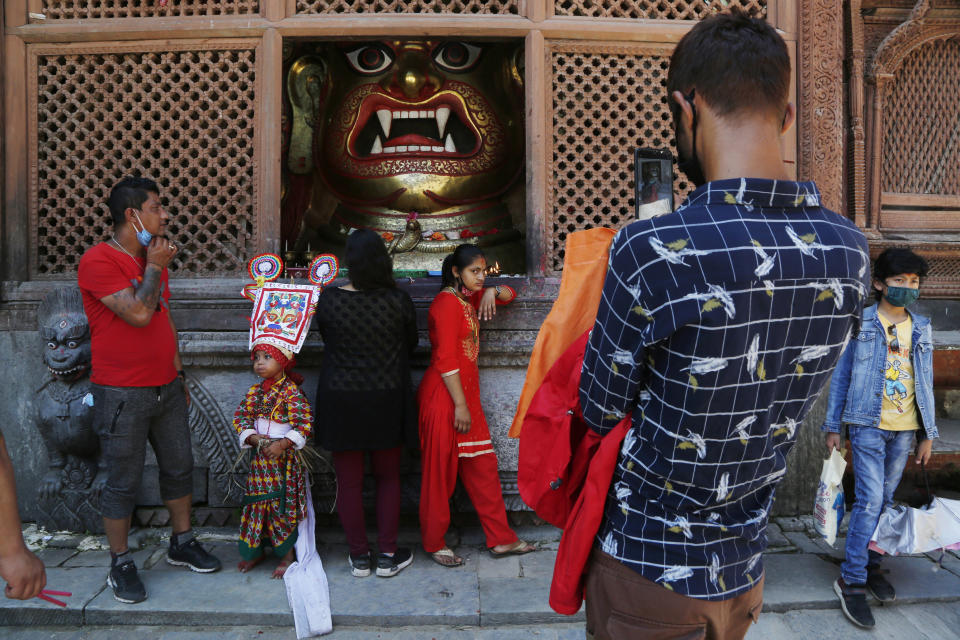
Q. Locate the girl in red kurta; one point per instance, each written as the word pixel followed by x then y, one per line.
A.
pixel 454 437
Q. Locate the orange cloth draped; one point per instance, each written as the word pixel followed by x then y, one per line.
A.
pixel 573 312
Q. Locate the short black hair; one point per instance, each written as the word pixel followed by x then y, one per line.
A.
pixel 734 62
pixel 461 258
pixel 368 264
pixel 895 261
pixel 129 193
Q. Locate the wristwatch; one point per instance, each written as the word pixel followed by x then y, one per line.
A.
pixel 497 289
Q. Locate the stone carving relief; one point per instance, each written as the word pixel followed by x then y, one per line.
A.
pixel 215 447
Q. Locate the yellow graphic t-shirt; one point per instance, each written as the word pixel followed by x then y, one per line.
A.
pixel 899 409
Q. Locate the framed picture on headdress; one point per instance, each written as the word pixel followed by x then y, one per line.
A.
pixel 282 313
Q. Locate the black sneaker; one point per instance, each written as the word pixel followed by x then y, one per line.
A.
pixel 880 587
pixel 388 566
pixel 853 600
pixel 194 556
pixel 360 565
pixel 125 582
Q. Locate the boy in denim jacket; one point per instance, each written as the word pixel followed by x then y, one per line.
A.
pixel 882 389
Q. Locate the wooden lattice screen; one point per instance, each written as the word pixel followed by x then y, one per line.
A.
pixel 921 140
pixel 607 100
pixel 661 9
pixel 86 9
pixel 507 7
pixel 182 114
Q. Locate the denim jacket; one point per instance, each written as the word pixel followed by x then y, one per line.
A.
pixel 856 388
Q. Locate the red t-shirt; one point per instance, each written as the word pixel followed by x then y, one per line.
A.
pixel 124 355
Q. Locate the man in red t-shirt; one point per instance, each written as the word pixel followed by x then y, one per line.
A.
pixel 138 381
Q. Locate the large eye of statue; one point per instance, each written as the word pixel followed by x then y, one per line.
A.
pixel 51 345
pixel 73 344
pixel 369 59
pixel 456 56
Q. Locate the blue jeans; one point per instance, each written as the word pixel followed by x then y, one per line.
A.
pixel 879 457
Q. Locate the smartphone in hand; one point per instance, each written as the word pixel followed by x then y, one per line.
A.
pixel 653 175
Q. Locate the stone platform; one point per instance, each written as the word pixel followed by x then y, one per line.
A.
pixel 486 598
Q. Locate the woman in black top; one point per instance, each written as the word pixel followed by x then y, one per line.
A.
pixel 364 398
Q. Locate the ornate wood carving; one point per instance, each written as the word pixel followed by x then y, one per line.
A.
pixel 820 98
pixel 856 171
pixel 921 128
pixel 468 7
pixel 917 30
pixel 655 9
pixel 92 9
pixel 899 41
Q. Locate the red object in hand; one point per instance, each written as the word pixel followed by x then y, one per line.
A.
pixel 45 595
pixel 163 3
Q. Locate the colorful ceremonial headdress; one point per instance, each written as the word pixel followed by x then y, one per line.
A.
pixel 281 312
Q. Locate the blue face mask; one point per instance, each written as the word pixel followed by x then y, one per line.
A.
pixel 901 296
pixel 143 236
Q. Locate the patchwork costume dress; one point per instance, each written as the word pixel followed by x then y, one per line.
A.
pixel 455 341
pixel 276 495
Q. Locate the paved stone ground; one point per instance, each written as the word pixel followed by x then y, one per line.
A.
pixel 486 599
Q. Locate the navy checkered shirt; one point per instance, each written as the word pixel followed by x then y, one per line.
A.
pixel 718 327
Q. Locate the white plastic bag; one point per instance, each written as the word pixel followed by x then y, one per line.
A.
pixel 907 530
pixel 828 507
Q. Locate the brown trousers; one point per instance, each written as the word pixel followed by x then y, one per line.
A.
pixel 623 605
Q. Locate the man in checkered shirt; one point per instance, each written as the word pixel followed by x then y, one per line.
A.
pixel 718 327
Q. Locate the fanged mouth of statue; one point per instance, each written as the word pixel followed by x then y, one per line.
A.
pixel 60 373
pixel 439 128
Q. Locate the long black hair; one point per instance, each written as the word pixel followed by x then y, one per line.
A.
pixel 368 263
pixel 461 258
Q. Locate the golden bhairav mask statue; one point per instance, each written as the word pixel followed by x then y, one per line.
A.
pixel 420 140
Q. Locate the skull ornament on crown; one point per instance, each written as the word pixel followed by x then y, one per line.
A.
pixel 420 140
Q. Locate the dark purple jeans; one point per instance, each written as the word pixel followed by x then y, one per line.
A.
pixel 385 464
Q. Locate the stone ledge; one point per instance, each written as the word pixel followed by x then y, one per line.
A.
pixel 214 349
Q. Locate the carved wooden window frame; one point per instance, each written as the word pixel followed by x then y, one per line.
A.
pixel 912 212
pixel 259 222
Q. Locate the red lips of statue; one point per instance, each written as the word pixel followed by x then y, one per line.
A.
pixel 439 127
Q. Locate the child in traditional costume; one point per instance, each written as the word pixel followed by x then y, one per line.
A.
pixel 454 437
pixel 275 418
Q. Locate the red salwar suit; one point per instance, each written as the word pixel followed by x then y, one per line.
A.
pixel 455 342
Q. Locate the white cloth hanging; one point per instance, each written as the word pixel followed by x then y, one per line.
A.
pixel 307 590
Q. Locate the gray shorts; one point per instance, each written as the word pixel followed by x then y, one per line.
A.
pixel 125 418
